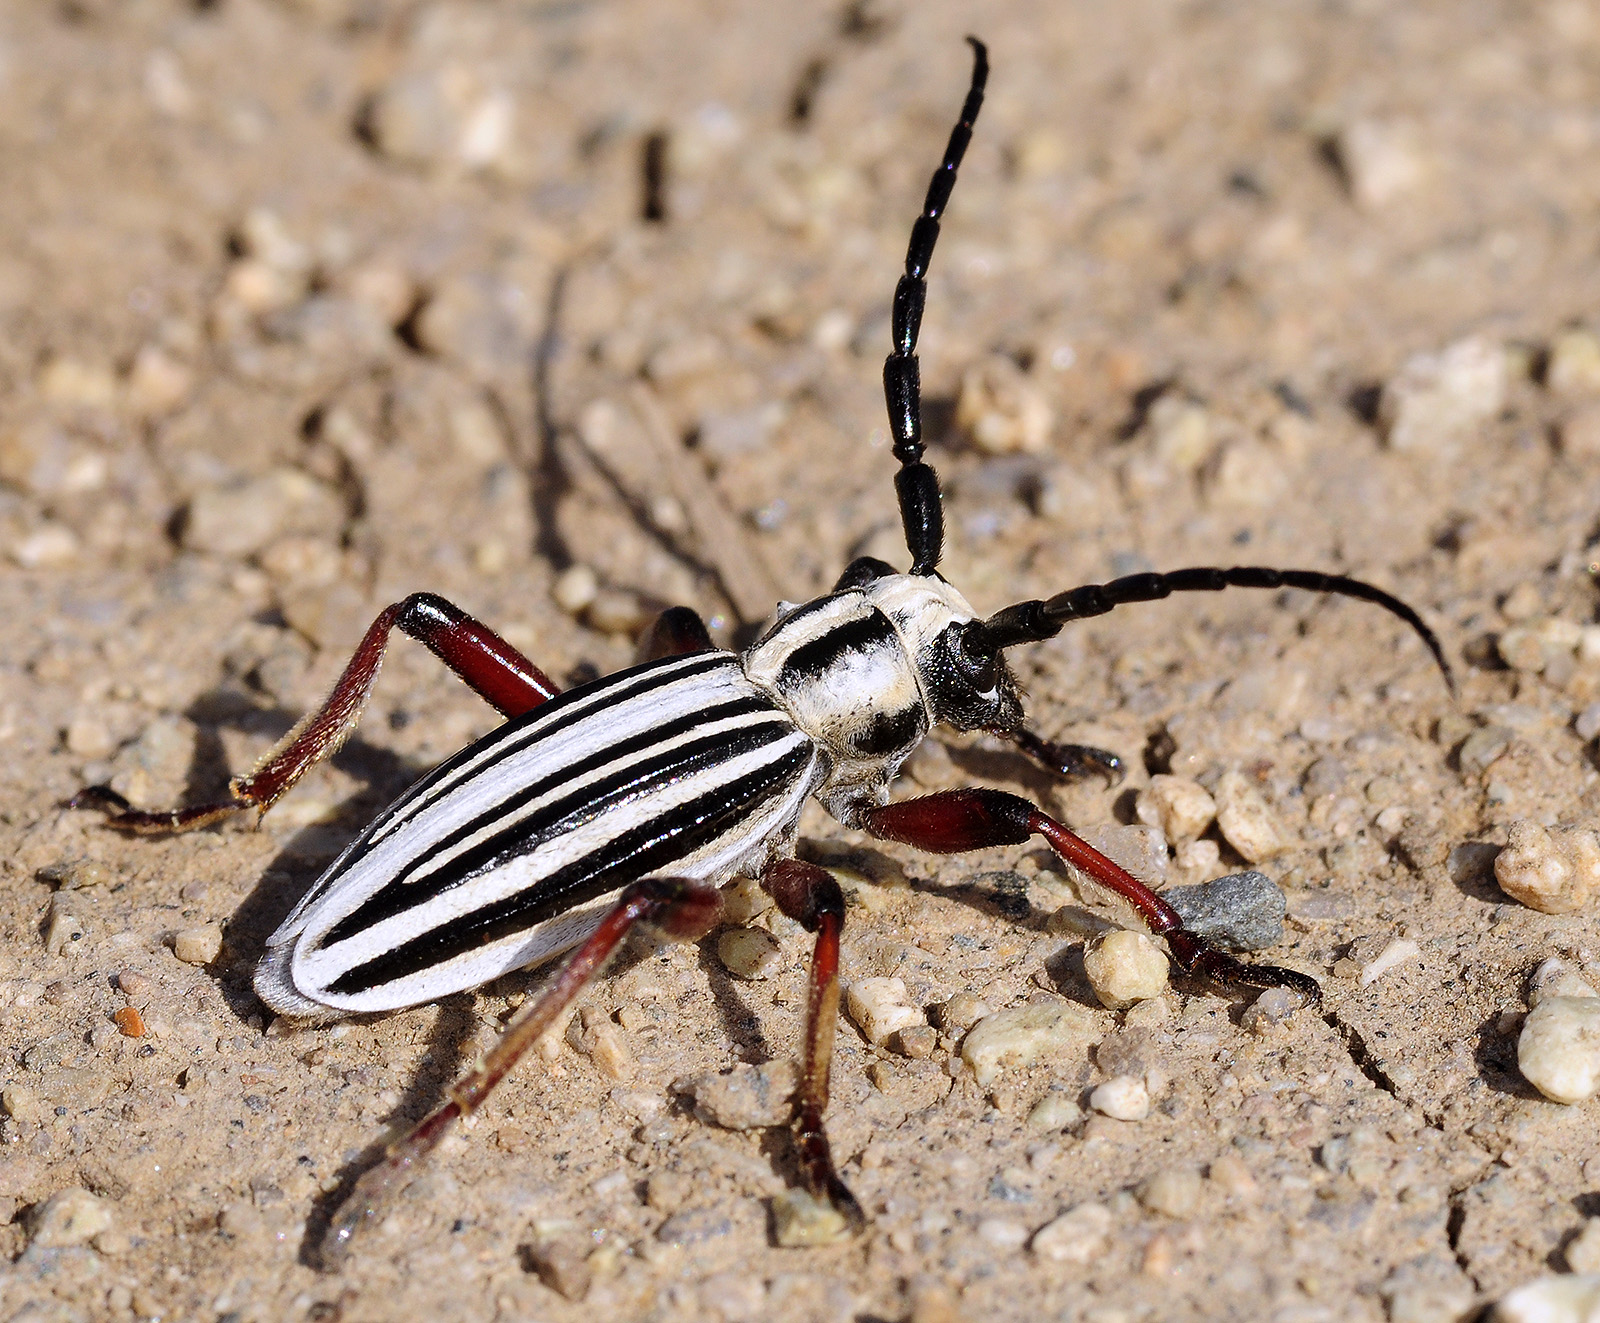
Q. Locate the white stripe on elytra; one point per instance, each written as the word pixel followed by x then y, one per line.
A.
pixel 318 967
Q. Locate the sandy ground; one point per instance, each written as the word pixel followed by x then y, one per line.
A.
pixel 305 306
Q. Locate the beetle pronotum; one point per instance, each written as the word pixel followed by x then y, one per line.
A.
pixel 629 801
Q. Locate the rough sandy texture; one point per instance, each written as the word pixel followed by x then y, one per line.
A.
pixel 304 306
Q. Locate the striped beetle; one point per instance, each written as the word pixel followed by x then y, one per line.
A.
pixel 629 801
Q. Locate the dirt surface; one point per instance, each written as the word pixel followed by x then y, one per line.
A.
pixel 306 306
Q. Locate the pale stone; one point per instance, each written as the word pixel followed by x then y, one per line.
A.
pixel 1395 953
pixel 157 382
pixel 1174 1192
pixel 1077 1236
pixel 1583 1251
pixel 1574 1299
pixel 47 547
pixel 1436 398
pixel 1125 967
pixel 1055 1111
pixel 1123 1098
pixel 1001 410
pixel 1558 1051
pixel 242 517
pixel 1554 872
pixel 1535 646
pixel 1556 978
pixel 1003 1233
pixel 746 1097
pixel 1179 432
pixel 198 946
pixel 1573 366
pixel 878 1007
pixel 71 1216
pixel 799 1218
pixel 1182 808
pixel 575 587
pixel 1018 1037
pixel 1245 819
pixel 1380 161
pixel 749 953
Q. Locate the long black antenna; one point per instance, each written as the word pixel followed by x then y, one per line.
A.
pixel 917 484
pixel 1032 622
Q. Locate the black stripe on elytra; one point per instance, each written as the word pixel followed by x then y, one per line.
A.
pixel 663 736
pixel 812 660
pixel 889 731
pixel 647 849
pixel 545 720
pixel 563 815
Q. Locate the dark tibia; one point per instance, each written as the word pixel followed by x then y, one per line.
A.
pixel 1029 622
pixel 917 485
pixel 957 820
pixel 679 909
pixel 1073 761
pixel 810 896
pixel 496 671
pixel 675 631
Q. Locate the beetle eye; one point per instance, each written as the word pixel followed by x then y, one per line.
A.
pixel 979 666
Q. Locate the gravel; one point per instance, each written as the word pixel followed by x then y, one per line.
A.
pixel 1180 807
pixel 879 1007
pixel 1437 398
pixel 745 1097
pixel 1245 819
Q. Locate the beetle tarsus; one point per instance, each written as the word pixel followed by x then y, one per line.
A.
pixel 1073 762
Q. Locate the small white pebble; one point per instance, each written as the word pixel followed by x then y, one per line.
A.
pixel 1077 1236
pixel 1055 1111
pixel 1588 722
pixel 1574 1299
pixel 1583 1251
pixel 1182 808
pixel 799 1218
pixel 1435 398
pixel 575 587
pixel 71 1216
pixel 1556 978
pixel 1246 821
pixel 1018 1037
pixel 878 1007
pixel 961 1012
pixel 198 946
pixel 88 737
pixel 1001 410
pixel 1380 161
pixel 1125 967
pixel 1573 365
pixel 1551 871
pixel 749 953
pixel 1003 1233
pixel 1558 1051
pixel 1230 1174
pixel 1398 951
pixel 1174 1192
pixel 1273 1006
pixel 1122 1098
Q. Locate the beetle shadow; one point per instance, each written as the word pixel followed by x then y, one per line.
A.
pixel 739 1022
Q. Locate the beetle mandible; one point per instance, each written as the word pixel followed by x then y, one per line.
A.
pixel 627 802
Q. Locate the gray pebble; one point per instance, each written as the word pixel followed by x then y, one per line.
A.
pixel 1240 912
pixel 694 1226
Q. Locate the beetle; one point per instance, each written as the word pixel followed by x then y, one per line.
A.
pixel 625 803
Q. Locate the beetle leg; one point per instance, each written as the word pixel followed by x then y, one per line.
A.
pixel 496 671
pixel 678 909
pixel 810 896
pixel 957 820
pixel 676 631
pixel 1073 761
